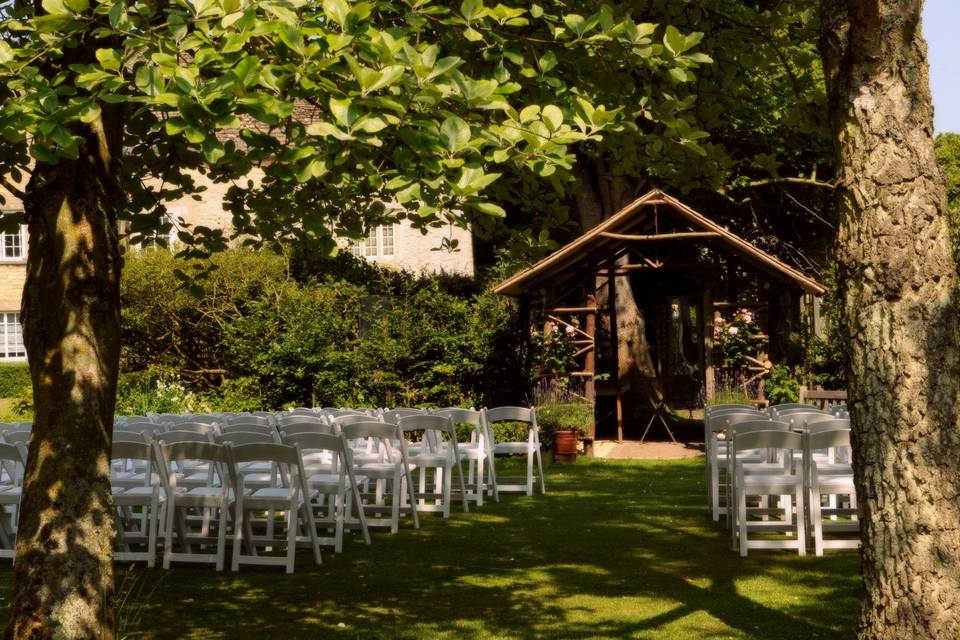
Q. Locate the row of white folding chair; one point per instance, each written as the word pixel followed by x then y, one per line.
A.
pixel 783 475
pixel 227 491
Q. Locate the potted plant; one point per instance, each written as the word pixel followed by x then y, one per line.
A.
pixel 562 425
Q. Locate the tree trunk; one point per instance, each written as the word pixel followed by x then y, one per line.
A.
pixel 63 575
pixel 899 306
pixel 599 195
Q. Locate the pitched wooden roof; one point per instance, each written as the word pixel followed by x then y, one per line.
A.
pixel 605 236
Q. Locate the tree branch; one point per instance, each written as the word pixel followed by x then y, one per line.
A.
pixel 810 182
pixel 12 188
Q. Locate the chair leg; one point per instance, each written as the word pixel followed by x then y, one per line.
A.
pixel 395 501
pixel 238 541
pixel 742 522
pixel 292 518
pixel 222 538
pixel 543 483
pixel 801 520
pixel 152 533
pixel 530 455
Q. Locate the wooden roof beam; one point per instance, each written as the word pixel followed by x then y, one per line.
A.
pixel 660 236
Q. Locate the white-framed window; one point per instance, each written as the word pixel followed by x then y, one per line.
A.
pixel 13 245
pixel 13 348
pixel 379 243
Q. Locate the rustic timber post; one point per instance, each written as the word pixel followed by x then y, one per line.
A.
pixel 709 382
pixel 615 346
pixel 590 369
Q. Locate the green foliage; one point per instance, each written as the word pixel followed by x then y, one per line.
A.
pixel 736 338
pixel 552 351
pixel 729 396
pixel 947 148
pixel 781 386
pixel 576 416
pixel 156 390
pixel 14 379
pixel 317 113
pixel 261 339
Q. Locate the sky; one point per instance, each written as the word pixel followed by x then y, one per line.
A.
pixel 940 21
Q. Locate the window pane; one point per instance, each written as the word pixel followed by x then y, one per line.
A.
pixel 13 336
pixel 370 245
pixel 12 244
pixel 387 242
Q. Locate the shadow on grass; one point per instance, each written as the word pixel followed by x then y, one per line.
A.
pixel 616 549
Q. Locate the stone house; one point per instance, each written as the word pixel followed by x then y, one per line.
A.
pixel 397 245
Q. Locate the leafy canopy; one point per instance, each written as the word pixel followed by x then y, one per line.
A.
pixel 320 115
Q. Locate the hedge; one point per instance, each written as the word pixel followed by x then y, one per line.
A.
pixel 14 379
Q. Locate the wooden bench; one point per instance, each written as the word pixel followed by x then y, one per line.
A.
pixel 821 397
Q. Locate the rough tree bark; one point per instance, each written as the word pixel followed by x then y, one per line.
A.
pixel 599 195
pixel 900 308
pixel 63 576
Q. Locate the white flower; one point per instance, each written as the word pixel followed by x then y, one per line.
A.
pixel 733 331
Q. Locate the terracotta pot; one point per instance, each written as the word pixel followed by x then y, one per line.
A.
pixel 565 446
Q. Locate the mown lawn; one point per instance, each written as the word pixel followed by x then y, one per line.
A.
pixel 616 549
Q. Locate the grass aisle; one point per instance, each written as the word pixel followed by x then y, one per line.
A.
pixel 617 549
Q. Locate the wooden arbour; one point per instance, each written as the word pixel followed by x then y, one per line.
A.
pixel 674 259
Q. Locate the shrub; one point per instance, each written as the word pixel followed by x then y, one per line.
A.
pixel 558 417
pixel 156 390
pixel 14 379
pixel 782 387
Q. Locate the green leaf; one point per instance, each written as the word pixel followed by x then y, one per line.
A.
pixel 55 7
pixel 553 116
pixel 336 10
pixel 470 9
pixel 455 133
pixel 6 52
pixel 342 111
pixel 674 41
pixel 388 76
pixel 110 59
pixel 489 208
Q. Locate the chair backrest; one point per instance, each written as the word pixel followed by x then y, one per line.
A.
pixel 767 439
pixel 299 418
pixel 395 415
pixel 461 416
pixel 248 427
pixel 798 419
pixel 828 424
pixel 828 438
pixel 749 426
pixel 16 437
pixel 315 441
pixel 337 412
pixel 426 422
pixel 307 427
pixel 247 437
pixel 729 421
pixel 344 420
pixel 779 408
pixel 196 427
pixel 511 414
pixel 139 426
pixel 264 452
pixel 304 411
pixel 206 451
pixel 132 437
pixel 130 450
pixel 250 420
pixel 715 408
pixel 371 429
pixel 170 437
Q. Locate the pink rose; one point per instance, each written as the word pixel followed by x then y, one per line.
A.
pixel 733 331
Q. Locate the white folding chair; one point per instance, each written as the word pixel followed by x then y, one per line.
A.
pixel 481 474
pixel 715 424
pixel 289 494
pixel 334 488
pixel 530 448
pixel 211 497
pixel 835 481
pixel 137 502
pixel 13 459
pixel 389 471
pixel 438 451
pixel 765 485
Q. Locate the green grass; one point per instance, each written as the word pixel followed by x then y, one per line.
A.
pixel 616 549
